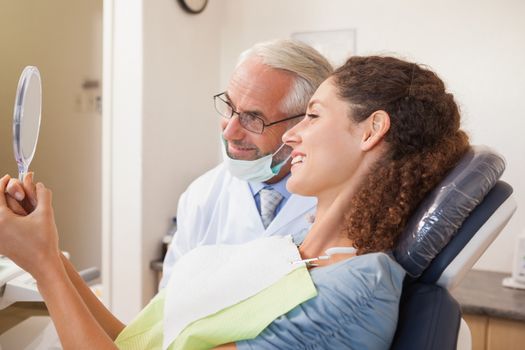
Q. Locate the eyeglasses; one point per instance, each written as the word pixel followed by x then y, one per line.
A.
pixel 248 121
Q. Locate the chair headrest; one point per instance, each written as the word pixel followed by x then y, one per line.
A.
pixel 444 209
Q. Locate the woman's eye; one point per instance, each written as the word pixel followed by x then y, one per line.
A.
pixel 311 116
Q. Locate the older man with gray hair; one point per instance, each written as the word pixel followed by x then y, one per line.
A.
pixel 245 197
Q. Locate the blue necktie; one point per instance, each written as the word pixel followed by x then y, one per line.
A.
pixel 270 199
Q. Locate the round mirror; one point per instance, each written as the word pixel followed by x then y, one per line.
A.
pixel 26 121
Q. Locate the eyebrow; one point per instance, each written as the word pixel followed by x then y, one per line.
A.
pixel 256 113
pixel 314 102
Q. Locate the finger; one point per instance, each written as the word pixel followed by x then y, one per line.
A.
pixel 18 191
pixel 3 184
pixel 14 189
pixel 29 188
pixel 15 206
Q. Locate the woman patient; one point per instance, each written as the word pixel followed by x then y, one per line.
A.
pixel 377 136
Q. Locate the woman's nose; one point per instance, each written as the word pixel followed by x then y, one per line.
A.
pixel 291 136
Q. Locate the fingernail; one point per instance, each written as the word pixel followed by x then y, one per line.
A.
pixel 19 196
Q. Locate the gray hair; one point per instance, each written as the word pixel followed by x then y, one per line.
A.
pixel 308 66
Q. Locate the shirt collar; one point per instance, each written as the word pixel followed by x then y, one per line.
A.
pixel 280 187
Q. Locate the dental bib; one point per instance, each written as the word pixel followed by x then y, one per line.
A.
pixel 220 294
pixel 221 276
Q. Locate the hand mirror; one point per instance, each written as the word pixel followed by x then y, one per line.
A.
pixel 26 120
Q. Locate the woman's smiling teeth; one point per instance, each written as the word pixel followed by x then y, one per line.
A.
pixel 298 159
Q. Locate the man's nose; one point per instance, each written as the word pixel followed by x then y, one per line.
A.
pixel 232 129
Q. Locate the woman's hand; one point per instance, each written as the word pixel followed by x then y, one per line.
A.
pixel 21 197
pixel 30 241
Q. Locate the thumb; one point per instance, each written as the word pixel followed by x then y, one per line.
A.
pixel 44 198
pixel 29 188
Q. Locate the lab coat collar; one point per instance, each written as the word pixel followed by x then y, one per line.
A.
pixel 293 208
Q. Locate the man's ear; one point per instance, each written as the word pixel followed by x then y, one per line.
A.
pixel 375 128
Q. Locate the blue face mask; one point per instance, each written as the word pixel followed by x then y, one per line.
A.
pixel 258 170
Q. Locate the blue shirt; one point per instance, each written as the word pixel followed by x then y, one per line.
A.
pixel 356 308
pixel 280 186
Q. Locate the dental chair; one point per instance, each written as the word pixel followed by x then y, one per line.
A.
pixel 447 234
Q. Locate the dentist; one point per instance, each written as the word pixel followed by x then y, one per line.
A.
pixel 245 197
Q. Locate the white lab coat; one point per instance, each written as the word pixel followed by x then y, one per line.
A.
pixel 219 208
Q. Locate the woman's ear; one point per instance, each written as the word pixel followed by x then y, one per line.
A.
pixel 375 128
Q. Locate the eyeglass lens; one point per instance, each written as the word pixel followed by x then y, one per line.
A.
pixel 247 121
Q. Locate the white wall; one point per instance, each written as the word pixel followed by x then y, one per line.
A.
pixel 180 128
pixel 477 47
pixel 161 68
pixel 67 49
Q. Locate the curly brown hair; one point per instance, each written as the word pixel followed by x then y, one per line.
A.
pixel 424 143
